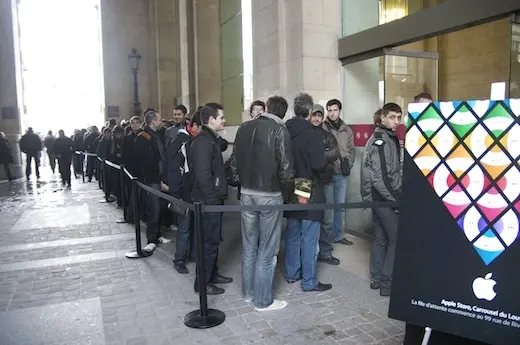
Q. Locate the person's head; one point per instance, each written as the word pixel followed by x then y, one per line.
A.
pixel 179 114
pixel 94 129
pixel 61 133
pixel 107 132
pixel 83 130
pixel 118 132
pixel 423 97
pixel 377 117
pixel 49 133
pixel 317 115
pixel 333 109
pixel 128 130
pixel 196 123
pixel 275 105
pixel 165 123
pixel 212 115
pixel 257 108
pixel 152 119
pixel 29 130
pixel 391 116
pixel 135 123
pixel 112 123
pixel 303 103
pixel 124 123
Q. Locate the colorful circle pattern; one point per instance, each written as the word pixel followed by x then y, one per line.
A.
pixel 468 151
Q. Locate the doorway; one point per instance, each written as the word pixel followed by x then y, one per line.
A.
pixel 62 66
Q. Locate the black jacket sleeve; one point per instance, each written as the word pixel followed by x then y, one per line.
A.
pixel 284 156
pixel 201 153
pixel 332 152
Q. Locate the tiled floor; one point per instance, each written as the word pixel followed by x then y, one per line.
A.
pixel 64 280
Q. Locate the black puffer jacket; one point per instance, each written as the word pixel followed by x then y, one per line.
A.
pixel 309 162
pixel 332 154
pixel 262 155
pixel 207 168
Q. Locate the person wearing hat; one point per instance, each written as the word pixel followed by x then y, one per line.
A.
pixel 331 154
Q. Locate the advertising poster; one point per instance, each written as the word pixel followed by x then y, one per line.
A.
pixel 457 265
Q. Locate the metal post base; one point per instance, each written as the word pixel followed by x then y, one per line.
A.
pixel 195 320
pixel 136 255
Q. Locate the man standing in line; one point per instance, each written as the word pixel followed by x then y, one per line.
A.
pixel 256 109
pixel 179 122
pixel 31 144
pixel 263 159
pixel 336 191
pixel 63 148
pixel 303 227
pixel 381 181
pixel 209 187
pixel 48 142
pixel 130 161
pixel 150 153
pixel 91 147
pixel 6 155
pixel 332 154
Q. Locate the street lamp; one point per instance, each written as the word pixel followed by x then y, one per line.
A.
pixel 133 58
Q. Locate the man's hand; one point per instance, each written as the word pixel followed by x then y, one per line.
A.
pixel 164 187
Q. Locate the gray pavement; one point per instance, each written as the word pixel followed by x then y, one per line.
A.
pixel 64 280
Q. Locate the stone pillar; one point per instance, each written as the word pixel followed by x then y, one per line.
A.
pixel 207 35
pixel 11 101
pixel 128 24
pixel 168 55
pixel 187 53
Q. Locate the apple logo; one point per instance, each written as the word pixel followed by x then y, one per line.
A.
pixel 483 288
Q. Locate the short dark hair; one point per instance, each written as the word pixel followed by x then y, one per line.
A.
pixel 136 118
pixel 424 95
pixel 215 106
pixel 49 132
pixel 128 130
pixel 388 107
pixel 118 129
pixel 276 105
pixel 377 117
pixel 207 112
pixel 147 110
pixel 303 103
pixel 149 116
pixel 256 103
pixel 182 108
pixel 195 119
pixel 112 122
pixel 334 102
pixel 107 130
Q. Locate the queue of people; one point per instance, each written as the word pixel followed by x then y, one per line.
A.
pixel 304 160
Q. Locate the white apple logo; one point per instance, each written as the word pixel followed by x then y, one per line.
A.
pixel 483 288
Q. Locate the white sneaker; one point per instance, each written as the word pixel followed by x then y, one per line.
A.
pixel 276 305
pixel 150 247
pixel 248 299
pixel 173 227
pixel 164 240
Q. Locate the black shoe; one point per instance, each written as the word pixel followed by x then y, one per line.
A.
pixel 330 261
pixel 375 285
pixel 181 268
pixel 220 279
pixel 345 242
pixel 384 291
pixel 211 290
pixel 320 287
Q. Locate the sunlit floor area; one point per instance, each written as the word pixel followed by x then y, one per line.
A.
pixel 61 50
pixel 64 280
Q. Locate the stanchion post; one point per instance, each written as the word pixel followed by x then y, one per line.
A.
pixel 138 253
pixel 203 317
pixel 122 186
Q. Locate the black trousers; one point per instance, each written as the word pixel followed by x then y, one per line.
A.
pixel 212 230
pixel 64 166
pixel 91 166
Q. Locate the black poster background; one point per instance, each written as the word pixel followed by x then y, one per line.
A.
pixel 435 261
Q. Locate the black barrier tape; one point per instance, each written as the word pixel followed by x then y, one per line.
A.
pixel 130 176
pixel 177 204
pixel 85 153
pixel 100 159
pixel 113 165
pixel 296 207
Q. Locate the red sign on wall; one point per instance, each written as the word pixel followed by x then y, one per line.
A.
pixel 364 131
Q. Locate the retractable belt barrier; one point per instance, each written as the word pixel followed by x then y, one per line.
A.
pixel 203 317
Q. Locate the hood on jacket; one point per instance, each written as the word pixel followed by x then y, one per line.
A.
pixel 272 117
pixel 297 125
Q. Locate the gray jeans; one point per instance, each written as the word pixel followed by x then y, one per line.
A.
pixel 261 232
pixel 383 245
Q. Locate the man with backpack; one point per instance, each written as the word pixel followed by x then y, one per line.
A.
pixel 179 183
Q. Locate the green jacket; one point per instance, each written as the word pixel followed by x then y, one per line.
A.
pixel 381 167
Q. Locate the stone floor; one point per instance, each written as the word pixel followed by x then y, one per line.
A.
pixel 64 280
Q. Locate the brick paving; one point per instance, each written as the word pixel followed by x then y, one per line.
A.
pixel 66 281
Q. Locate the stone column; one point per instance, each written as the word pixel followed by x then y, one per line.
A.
pixel 187 54
pixel 168 55
pixel 11 101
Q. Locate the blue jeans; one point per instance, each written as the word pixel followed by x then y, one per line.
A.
pixel 261 232
pixel 335 192
pixel 183 243
pixel 301 252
